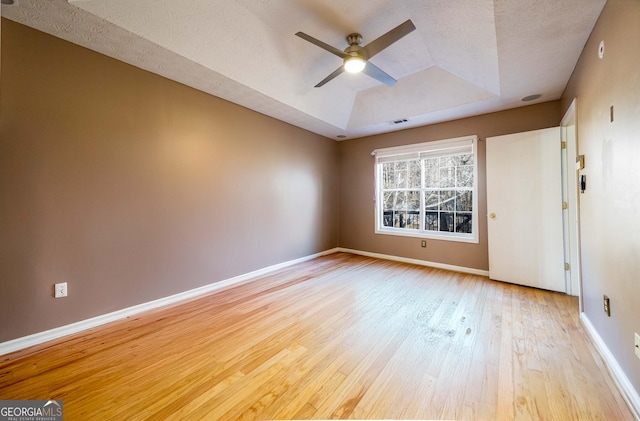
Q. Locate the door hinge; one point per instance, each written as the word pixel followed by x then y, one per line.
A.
pixel 565 205
pixel 567 266
pixel 563 145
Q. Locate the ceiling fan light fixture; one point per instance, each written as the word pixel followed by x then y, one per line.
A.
pixel 354 64
pixel 355 56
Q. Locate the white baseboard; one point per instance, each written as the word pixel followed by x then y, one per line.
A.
pixel 59 332
pixel 417 262
pixel 627 390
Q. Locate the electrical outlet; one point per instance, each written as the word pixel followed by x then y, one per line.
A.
pixel 637 345
pixel 607 305
pixel 60 290
pixel 424 243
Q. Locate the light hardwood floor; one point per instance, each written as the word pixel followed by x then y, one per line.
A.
pixel 340 336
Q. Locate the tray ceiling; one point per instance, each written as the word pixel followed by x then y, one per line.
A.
pixel 466 57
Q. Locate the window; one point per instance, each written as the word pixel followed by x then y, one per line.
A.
pixel 428 190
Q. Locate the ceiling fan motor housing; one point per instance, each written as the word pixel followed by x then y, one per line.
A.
pixel 354 39
pixel 354 54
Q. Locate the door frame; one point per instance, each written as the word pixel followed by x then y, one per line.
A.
pixel 571 216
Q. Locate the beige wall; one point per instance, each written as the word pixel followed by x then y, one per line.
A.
pixel 357 170
pixel 131 187
pixel 610 207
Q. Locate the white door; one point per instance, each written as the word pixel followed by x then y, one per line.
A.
pixel 524 207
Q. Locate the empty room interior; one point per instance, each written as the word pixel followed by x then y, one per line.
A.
pixel 320 209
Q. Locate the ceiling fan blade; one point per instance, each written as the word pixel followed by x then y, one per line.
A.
pixel 382 42
pixel 330 77
pixel 322 45
pixel 375 72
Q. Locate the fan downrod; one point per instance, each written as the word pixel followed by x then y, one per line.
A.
pixel 354 39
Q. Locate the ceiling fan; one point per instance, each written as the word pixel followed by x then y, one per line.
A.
pixel 356 56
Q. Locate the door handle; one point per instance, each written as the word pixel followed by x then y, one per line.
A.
pixel 492 215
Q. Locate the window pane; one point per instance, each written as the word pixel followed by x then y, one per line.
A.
pixel 387 208
pixel 463 222
pixel 431 221
pixel 413 220
pixel 401 174
pixel 413 200
pixel 414 174
pixel 431 173
pixel 447 177
pixel 464 201
pixel 446 221
pixel 432 200
pixel 388 173
pixel 401 201
pixel 464 160
pixel 413 208
pixel 387 218
pixel 448 200
pixel 447 161
pixel 464 176
pixel 388 200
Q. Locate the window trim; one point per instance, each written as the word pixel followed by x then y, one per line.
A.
pixel 396 151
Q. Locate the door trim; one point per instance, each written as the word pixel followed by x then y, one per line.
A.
pixel 570 187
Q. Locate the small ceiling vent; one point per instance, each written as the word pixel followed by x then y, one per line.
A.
pixel 400 121
pixel 531 97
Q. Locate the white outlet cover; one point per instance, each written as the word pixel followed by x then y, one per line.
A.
pixel 60 290
pixel 637 345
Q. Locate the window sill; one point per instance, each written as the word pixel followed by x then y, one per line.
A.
pixel 441 237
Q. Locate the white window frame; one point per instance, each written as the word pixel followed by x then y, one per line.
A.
pixel 433 147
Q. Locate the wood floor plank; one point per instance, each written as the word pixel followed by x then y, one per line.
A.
pixel 340 336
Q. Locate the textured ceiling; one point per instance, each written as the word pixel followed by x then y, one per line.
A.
pixel 466 57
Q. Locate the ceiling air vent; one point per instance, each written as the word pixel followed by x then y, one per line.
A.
pixel 400 121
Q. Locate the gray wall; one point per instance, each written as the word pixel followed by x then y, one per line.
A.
pixel 131 187
pixel 357 190
pixel 610 207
